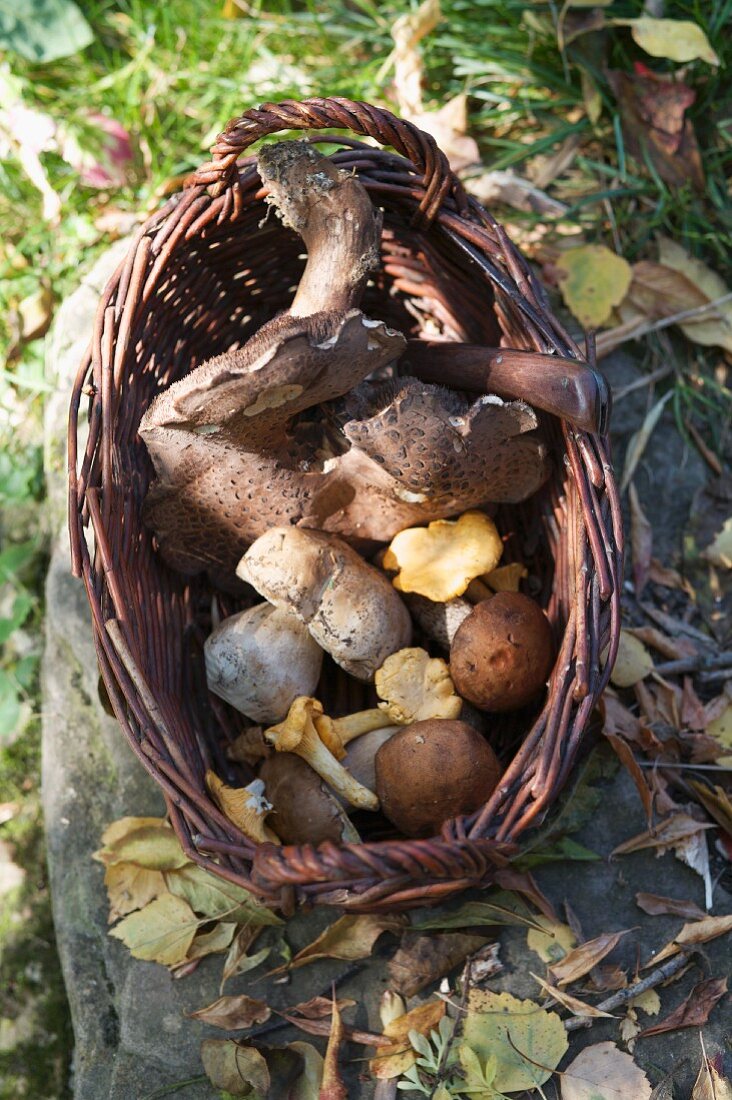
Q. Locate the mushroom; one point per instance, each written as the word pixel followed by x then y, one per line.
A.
pixel 502 653
pixel 246 807
pixel 260 660
pixel 350 608
pixel 304 811
pixel 360 758
pixel 439 621
pixel 432 771
pixel 298 734
pixel 412 686
pixel 439 561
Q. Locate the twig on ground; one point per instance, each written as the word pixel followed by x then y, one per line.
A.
pixel 699 663
pixel 624 995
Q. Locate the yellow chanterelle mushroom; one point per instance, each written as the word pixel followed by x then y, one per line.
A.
pixel 440 561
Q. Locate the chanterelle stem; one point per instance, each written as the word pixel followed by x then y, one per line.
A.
pixel 333 214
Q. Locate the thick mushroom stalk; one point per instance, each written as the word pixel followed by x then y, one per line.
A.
pixel 298 734
pixel 413 687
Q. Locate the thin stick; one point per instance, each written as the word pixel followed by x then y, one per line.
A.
pixel 695 664
pixel 624 995
pixel 608 341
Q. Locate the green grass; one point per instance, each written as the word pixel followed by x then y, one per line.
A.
pixel 172 72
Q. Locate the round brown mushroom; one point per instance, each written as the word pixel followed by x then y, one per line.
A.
pixel 434 770
pixel 502 653
pixel 304 810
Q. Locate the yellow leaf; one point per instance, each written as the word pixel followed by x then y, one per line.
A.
pixel 126 825
pixel 153 846
pixel 394 1060
pixel 603 1072
pixel 527 1041
pixel 720 551
pixel 161 932
pixel 581 960
pixel 572 1004
pixel 593 281
pixel 214 942
pixel 721 730
pixel 633 663
pixel 552 944
pixel 674 39
pixel 700 931
pixel 131 887
pixel 648 1002
pixel 715 327
pixel 238 1070
pixel 351 937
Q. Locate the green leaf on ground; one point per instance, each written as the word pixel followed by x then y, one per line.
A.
pixel 43 30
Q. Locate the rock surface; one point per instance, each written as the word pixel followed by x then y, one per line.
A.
pixel 132 1036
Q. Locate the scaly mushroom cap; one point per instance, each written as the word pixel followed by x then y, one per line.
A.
pixel 304 811
pixel 432 771
pixel 349 607
pixel 502 653
pixel 260 660
pixel 415 686
pixel 440 561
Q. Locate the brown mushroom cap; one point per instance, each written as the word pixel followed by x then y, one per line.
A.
pixel 434 770
pixel 304 810
pixel 502 653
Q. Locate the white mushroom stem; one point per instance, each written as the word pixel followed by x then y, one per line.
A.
pixel 298 734
pixel 439 621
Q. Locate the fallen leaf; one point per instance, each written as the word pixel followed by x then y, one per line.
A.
pixel 153 846
pixel 131 887
pixel 711 1084
pixel 237 960
pixel 214 942
pixel 318 1007
pixel 720 728
pixel 716 802
pixel 628 760
pixel 36 314
pixel 669 578
pixel 215 897
pixel 673 39
pixel 161 932
pixel 582 959
pixel 423 959
pixel 673 648
pixel 473 914
pixel 694 1011
pixel 654 127
pixel 513 190
pixel 641 541
pixel 667 833
pixel 553 942
pixel 233 1013
pixel 648 1001
pixel 481 966
pixel 408 31
pixel 349 938
pixel 126 825
pixel 448 126
pixel 332 1086
pixel 238 1070
pixel 524 883
pixel 393 1060
pixel 701 931
pixel 719 552
pixel 694 852
pixel 593 281
pixel 659 906
pixel 526 1040
pixel 633 662
pixel 572 1004
pixel 307 1086
pixel 603 1072
pixel 715 327
pixel 639 441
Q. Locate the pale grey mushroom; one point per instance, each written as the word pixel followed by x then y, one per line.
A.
pixel 260 660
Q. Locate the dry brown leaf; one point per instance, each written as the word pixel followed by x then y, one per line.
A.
pixel 711 1084
pixel 572 1004
pixel 332 1086
pixel 666 834
pixel 237 960
pixel 349 938
pixel 395 1059
pixel 233 1013
pixel 629 762
pixel 715 327
pixel 639 440
pixel 701 931
pixel 318 1007
pixel 659 906
pixel 641 541
pixel 716 802
pixel 524 883
pixel 673 648
pixel 448 126
pixel 481 966
pixel 507 187
pixel 694 1011
pixel 603 1072
pixel 423 959
pixel 214 942
pixel 669 578
pixel 583 958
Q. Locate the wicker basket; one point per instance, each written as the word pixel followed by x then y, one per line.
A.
pixel 203 273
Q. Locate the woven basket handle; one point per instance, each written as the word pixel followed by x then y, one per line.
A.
pixel 345 114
